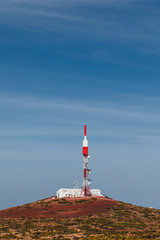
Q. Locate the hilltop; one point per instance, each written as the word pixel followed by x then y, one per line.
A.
pixel 79 218
pixel 60 208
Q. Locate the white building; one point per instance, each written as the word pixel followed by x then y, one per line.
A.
pixel 73 192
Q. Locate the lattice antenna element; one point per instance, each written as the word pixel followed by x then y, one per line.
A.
pixel 85 190
pixel 75 185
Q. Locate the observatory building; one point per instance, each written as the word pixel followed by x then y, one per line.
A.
pixel 85 190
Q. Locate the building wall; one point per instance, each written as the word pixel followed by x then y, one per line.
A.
pixel 71 192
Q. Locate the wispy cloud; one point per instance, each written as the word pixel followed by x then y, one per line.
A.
pixel 41 117
pixel 114 21
pixel 81 105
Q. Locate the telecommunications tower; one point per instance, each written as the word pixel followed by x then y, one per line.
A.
pixel 85 190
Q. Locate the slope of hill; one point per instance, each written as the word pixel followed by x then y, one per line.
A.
pixel 60 208
pixel 79 218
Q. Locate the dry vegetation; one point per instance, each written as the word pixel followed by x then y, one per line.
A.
pixel 119 221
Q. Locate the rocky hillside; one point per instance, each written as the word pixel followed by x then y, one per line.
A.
pixel 79 218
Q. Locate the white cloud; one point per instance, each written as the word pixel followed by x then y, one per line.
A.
pixel 30 116
pixel 82 105
pixel 129 24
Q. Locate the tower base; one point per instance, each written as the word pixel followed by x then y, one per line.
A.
pixel 86 192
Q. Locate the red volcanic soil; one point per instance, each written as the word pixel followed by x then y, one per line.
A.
pixel 60 208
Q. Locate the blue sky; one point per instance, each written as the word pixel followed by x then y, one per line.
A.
pixel 64 64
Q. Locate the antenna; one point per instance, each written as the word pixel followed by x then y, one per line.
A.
pixel 85 190
pixel 75 185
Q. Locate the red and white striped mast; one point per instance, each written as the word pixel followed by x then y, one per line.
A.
pixel 85 190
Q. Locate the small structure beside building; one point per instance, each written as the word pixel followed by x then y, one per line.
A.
pixel 73 192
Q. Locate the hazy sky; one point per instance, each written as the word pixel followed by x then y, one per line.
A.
pixel 66 63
